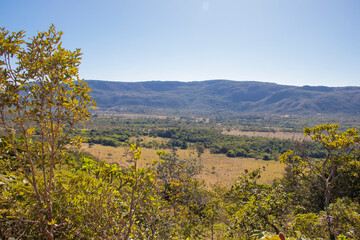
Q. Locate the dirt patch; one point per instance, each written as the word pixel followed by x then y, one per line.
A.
pixel 280 135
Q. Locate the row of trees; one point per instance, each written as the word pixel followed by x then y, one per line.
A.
pixel 190 137
pixel 234 146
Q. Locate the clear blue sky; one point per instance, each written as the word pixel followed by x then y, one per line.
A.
pixel 293 42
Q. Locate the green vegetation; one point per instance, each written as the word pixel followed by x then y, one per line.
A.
pixel 51 190
pixel 199 138
pixel 41 94
pixel 340 151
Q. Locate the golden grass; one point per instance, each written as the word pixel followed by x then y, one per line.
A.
pixel 218 169
pixel 280 135
pixel 111 114
pixel 147 139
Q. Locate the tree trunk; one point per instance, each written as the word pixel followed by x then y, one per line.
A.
pixel 328 217
pixel 212 227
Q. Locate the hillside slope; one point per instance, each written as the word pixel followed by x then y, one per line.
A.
pixel 223 96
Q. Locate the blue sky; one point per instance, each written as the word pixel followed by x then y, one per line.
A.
pixel 292 42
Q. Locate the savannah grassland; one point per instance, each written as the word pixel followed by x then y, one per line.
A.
pixel 280 135
pixel 218 169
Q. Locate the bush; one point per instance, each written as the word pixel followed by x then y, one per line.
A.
pixel 231 153
pixel 310 225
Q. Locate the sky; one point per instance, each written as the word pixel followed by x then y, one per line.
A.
pixel 291 42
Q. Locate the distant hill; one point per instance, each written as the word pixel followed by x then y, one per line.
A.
pixel 223 96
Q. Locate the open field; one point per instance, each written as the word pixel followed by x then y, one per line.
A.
pixel 280 135
pixel 218 169
pixel 109 114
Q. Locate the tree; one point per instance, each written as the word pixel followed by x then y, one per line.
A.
pixel 171 167
pixel 213 212
pixel 341 148
pixel 186 196
pixel 41 99
pixel 256 206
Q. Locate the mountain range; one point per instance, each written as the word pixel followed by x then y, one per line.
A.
pixel 223 96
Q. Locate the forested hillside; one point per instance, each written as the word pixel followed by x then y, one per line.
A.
pixel 224 96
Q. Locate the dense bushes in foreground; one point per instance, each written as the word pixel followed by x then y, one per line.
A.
pixel 95 200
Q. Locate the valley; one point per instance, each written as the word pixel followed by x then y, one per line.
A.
pixel 218 169
pixel 213 159
pixel 109 136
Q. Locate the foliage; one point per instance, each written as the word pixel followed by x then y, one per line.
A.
pixel 341 149
pixel 348 181
pixel 181 134
pixel 346 218
pixel 310 225
pixel 232 146
pixel 256 206
pixel 171 167
pixel 186 196
pixel 41 99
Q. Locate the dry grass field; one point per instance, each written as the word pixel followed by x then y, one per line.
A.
pixel 280 135
pixel 111 114
pixel 218 169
